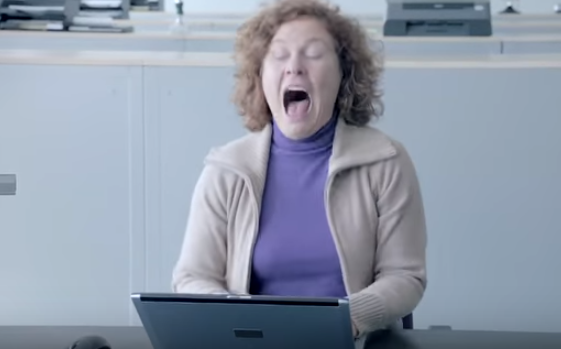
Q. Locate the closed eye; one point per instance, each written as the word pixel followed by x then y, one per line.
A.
pixel 278 53
pixel 315 50
pixel 314 53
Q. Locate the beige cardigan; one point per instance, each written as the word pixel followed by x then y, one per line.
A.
pixel 374 208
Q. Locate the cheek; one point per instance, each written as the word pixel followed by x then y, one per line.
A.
pixel 328 78
pixel 270 82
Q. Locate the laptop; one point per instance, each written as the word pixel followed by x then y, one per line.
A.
pixel 187 321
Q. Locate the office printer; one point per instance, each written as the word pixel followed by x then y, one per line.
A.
pixel 438 18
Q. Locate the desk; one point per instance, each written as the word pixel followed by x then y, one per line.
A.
pixel 545 44
pixel 224 59
pixel 155 40
pixel 502 25
pixel 136 338
pixel 161 39
pixel 499 27
pixel 47 337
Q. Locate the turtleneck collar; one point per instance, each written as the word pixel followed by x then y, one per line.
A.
pixel 319 141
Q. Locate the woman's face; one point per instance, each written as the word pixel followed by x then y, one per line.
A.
pixel 301 77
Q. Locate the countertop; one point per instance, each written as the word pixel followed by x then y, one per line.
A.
pixel 229 35
pixel 219 59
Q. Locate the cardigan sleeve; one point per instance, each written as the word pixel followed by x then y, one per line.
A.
pixel 400 263
pixel 202 260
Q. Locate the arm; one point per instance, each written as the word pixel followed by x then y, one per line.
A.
pixel 400 264
pixel 201 266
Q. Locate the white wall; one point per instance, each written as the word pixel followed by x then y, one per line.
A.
pixel 350 6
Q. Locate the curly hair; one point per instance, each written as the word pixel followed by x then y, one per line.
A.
pixel 359 100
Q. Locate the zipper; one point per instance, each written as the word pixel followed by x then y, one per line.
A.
pixel 256 226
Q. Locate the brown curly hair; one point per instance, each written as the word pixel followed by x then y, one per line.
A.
pixel 360 97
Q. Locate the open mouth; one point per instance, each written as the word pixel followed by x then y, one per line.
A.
pixel 296 102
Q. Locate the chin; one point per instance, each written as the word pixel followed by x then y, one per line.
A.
pixel 297 131
pixel 296 128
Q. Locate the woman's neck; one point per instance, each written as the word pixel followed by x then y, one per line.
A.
pixel 321 140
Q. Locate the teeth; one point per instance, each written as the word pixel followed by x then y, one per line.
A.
pixel 296 89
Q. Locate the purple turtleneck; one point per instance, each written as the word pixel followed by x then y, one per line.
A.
pixel 295 254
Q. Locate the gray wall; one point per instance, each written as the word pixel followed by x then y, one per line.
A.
pixel 107 156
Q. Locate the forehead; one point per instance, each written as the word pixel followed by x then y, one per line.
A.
pixel 302 30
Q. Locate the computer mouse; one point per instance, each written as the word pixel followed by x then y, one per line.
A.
pixel 91 342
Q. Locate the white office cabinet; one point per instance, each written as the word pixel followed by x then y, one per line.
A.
pixel 66 237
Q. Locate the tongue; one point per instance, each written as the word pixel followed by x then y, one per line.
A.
pixel 298 109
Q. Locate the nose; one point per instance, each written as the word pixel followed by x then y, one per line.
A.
pixel 294 71
pixel 294 67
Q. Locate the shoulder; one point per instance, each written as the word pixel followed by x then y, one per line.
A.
pixel 232 149
pixel 220 160
pixel 394 150
pixel 244 153
pixel 394 174
pixel 398 159
pixel 368 145
pixel 237 160
pixel 386 159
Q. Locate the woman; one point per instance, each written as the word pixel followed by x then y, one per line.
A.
pixel 312 202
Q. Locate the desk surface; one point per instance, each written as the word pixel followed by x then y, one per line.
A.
pixel 136 338
pixel 368 23
pixel 219 19
pixel 164 33
pixel 220 59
